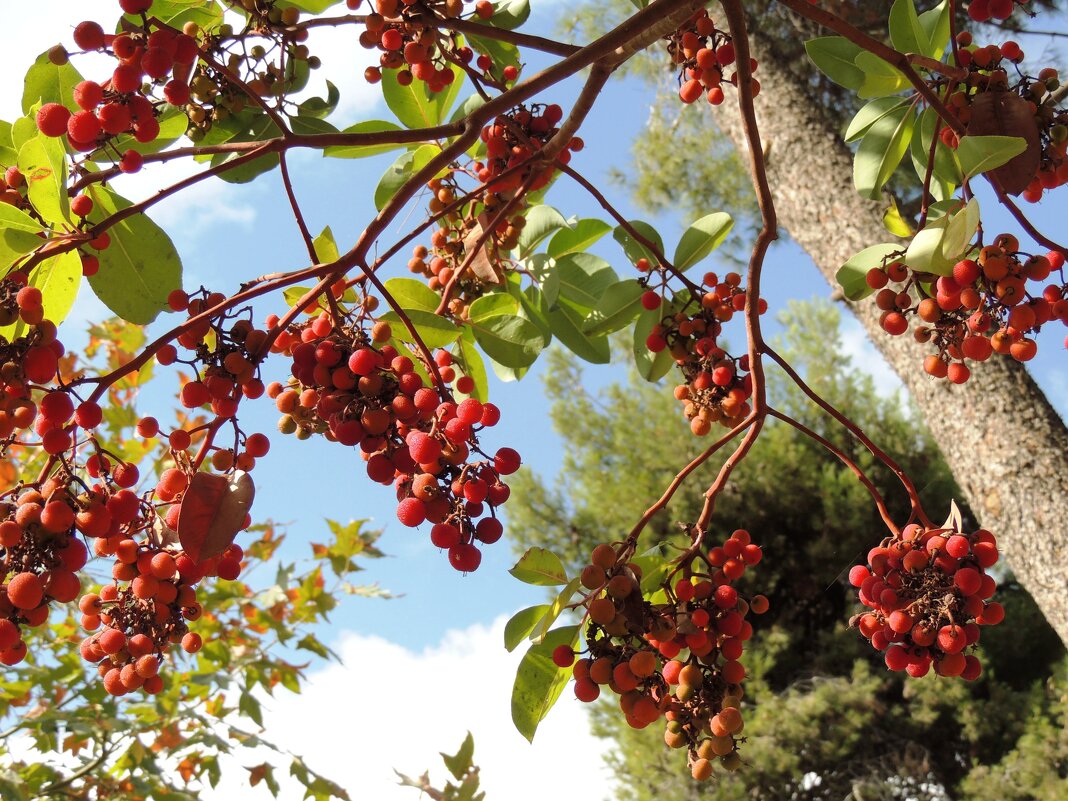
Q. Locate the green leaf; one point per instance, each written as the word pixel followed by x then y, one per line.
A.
pixel 313 6
pixel 18 234
pixel 539 682
pixel 925 251
pixel 701 238
pixel 851 276
pixel 577 238
pixel 542 220
pixel 566 324
pixel 906 33
pixel 43 161
pixel 508 339
pixel 47 83
pixel 871 113
pixel 435 330
pixel 460 762
pixel 880 77
pixel 895 223
pixel 522 623
pixel 495 304
pixel 979 154
pixel 325 246
pixel 835 56
pixel 321 106
pixel 8 153
pixel 633 248
pixel 178 12
pixel 58 279
pixel 935 24
pixel 541 567
pixel 401 171
pixel 881 150
pixel 468 107
pixel 619 305
pixel 362 151
pixel 947 173
pixel 960 230
pixel 503 54
pixel 471 361
pixel 651 366
pixel 559 604
pixel 543 270
pixel 252 125
pixel 414 105
pixel 584 278
pixel 509 14
pixel 249 706
pixel 141 266
pixel 411 293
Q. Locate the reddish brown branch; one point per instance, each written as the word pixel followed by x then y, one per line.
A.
pixel 298 214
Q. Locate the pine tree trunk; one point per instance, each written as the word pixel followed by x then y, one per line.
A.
pixel 1006 445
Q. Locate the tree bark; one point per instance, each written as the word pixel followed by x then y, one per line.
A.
pixel 1006 446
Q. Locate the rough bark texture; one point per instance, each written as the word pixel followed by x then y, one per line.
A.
pixel 1006 445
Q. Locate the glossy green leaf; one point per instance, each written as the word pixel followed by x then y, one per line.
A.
pixel 414 105
pixel 435 330
pixel 412 293
pixel 619 305
pixel 401 171
pixel 532 306
pixel 566 323
pixel 205 13
pixel 959 231
pixel 47 83
pixel 979 154
pixel 577 238
pixel 509 14
pixel 253 125
pixel 559 604
pixel 503 54
pixel 871 113
pixel 935 24
pixel 522 623
pixel 362 151
pixel 18 234
pixel 881 150
pixel 542 221
pixel 543 270
pixel 906 33
pixel 140 268
pixel 880 77
pixel 701 238
pixel 924 253
pixel 508 339
pixel 325 247
pixel 540 566
pixel 8 153
pixel 835 56
pixel 495 304
pixel 43 162
pixel 584 278
pixel 539 682
pixel 852 276
pixel 634 249
pixel 321 106
pixel 651 366
pixel 947 172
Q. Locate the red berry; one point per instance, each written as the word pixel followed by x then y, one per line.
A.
pixel 52 119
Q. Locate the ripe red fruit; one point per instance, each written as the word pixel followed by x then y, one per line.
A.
pixel 506 461
pixel 131 162
pixel 25 590
pixel 89 35
pixel 52 119
pixel 465 557
pixel 489 530
pixel 563 656
pixel 411 512
pixel 650 300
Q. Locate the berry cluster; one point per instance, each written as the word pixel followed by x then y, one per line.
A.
pixel 701 52
pixel 986 10
pixel 354 389
pixel 407 34
pixel 716 386
pixel 983 308
pixel 514 139
pixel 452 254
pixel 13 188
pixel 996 93
pixel 928 592
pixel 678 659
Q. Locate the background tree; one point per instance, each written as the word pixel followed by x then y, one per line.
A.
pixel 829 721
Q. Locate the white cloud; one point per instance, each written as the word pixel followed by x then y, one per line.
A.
pixel 389 707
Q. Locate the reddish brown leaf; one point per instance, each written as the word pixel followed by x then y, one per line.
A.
pixel 213 511
pixel 997 113
pixel 482 264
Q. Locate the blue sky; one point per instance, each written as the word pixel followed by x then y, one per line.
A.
pixel 226 234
